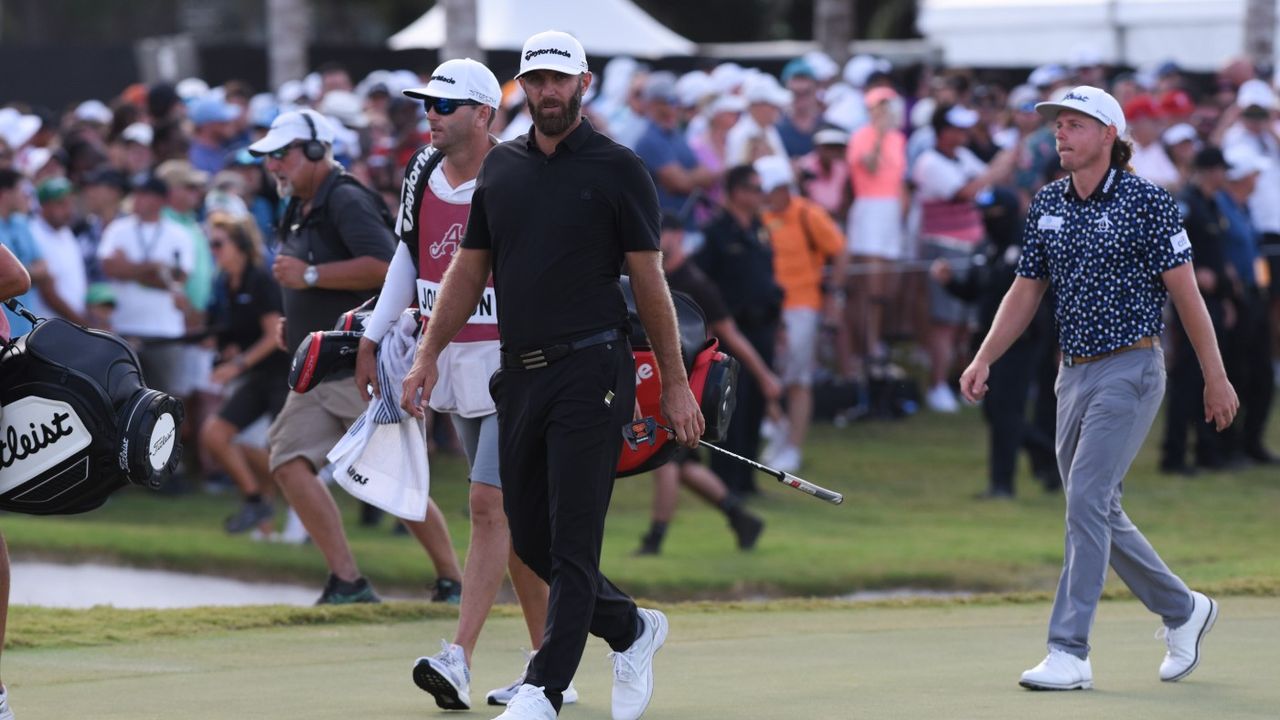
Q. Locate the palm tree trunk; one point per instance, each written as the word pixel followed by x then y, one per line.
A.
pixel 288 31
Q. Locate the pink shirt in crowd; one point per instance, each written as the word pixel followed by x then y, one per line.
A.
pixel 825 189
pixel 886 181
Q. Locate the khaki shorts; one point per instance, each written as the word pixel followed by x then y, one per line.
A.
pixel 311 423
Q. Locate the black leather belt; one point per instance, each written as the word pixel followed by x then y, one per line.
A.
pixel 534 359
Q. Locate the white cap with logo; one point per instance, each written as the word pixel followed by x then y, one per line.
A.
pixel 291 127
pixel 553 50
pixel 1094 102
pixel 461 79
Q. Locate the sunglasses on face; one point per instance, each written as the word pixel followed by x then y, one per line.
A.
pixel 216 244
pixel 282 152
pixel 445 106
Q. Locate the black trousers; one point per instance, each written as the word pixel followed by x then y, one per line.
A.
pixel 1005 409
pixel 1248 360
pixel 1185 409
pixel 743 436
pixel 559 435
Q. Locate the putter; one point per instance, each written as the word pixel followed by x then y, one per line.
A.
pixel 645 430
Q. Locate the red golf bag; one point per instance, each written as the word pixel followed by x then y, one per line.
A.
pixel 713 377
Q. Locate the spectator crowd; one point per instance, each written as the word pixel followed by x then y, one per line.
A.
pixel 853 220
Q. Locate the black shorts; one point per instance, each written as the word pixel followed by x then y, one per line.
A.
pixel 252 395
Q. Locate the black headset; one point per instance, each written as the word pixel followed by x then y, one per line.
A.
pixel 313 149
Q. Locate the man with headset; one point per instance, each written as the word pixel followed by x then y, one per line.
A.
pixel 336 244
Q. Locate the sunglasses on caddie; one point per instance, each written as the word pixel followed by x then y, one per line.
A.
pixel 445 106
pixel 282 152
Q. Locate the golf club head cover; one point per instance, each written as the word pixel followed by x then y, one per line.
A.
pixel 78 423
pixel 321 354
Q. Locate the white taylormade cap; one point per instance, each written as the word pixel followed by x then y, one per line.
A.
pixel 462 79
pixel 291 127
pixel 1092 101
pixel 553 50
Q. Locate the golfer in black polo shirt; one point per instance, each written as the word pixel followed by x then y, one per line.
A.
pixel 554 215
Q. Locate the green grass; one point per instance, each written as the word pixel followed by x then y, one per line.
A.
pixel 753 663
pixel 908 520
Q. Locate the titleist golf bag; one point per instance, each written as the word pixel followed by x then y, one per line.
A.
pixel 77 421
pixel 713 378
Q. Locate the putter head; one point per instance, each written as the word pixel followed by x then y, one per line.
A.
pixel 639 431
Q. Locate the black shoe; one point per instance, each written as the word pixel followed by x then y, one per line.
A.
pixel 249 516
pixel 447 591
pixel 746 528
pixel 1178 469
pixel 650 544
pixel 994 494
pixel 341 592
pixel 1262 456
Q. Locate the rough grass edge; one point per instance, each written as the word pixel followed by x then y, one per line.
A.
pixel 32 628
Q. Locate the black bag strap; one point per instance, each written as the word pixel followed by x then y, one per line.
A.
pixel 412 191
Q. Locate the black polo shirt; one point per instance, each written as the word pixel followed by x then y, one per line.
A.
pixel 1104 256
pixel 1207 228
pixel 558 227
pixel 345 221
pixel 740 262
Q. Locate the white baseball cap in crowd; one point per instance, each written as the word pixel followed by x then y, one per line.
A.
pixel 765 88
pixel 1182 132
pixel 1243 161
pixel 774 172
pixel 962 117
pixel 139 132
pixel 461 79
pixel 93 111
pixel 1256 93
pixel 291 127
pixel 831 136
pixel 1094 102
pixel 553 50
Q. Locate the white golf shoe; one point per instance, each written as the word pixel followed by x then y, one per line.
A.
pixel 445 675
pixel 633 668
pixel 6 712
pixel 1183 642
pixel 529 703
pixel 1059 671
pixel 502 696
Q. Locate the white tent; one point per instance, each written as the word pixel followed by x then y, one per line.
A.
pixel 605 27
pixel 1197 34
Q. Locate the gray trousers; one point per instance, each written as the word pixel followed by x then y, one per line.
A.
pixel 1105 410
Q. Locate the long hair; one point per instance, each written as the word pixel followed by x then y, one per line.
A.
pixel 1121 154
pixel 243 231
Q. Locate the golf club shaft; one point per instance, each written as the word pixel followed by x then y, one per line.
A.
pixel 788 479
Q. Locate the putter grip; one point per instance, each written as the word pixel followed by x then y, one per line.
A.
pixel 805 486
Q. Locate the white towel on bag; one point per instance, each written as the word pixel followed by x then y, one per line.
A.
pixel 382 459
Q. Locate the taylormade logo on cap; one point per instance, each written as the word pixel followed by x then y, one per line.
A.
pixel 1092 101
pixel 535 53
pixel 460 79
pixel 553 50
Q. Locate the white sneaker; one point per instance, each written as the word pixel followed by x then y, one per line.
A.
pixel 786 459
pixel 1184 641
pixel 1059 671
pixel 502 696
pixel 445 675
pixel 529 703
pixel 941 399
pixel 6 712
pixel 633 668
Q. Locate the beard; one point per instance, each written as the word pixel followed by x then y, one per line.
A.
pixel 553 125
pixel 284 188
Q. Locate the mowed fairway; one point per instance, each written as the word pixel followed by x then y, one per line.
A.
pixel 777 661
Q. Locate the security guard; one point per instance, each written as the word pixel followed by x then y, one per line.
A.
pixel 1206 228
pixel 1113 248
pixel 554 215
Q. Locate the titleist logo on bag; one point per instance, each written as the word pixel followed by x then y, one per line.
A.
pixel 35 435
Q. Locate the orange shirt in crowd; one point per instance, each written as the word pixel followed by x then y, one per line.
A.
pixel 891 170
pixel 803 237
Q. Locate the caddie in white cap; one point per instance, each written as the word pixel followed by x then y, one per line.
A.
pixel 553 216
pixel 439 182
pixel 1113 247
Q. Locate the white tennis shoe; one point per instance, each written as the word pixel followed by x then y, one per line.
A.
pixel 1059 671
pixel 1183 642
pixel 529 703
pixel 502 696
pixel 633 668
